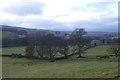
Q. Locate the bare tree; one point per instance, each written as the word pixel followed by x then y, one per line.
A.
pixel 29 51
pixel 49 42
pixel 62 43
pixel 114 49
pixel 77 38
pixel 40 43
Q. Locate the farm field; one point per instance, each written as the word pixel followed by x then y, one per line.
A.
pixel 10 50
pixel 97 50
pixel 89 67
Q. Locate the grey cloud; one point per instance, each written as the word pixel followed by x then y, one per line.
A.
pixel 49 24
pixel 38 24
pixel 100 6
pixel 96 7
pixel 106 24
pixel 25 8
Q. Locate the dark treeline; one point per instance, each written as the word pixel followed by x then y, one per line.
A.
pixel 47 45
pixel 13 37
pixel 8 42
pixel 20 32
pixel 22 41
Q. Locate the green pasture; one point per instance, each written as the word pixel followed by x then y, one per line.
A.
pixel 89 67
pixel 10 50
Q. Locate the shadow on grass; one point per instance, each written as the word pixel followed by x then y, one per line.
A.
pixel 92 58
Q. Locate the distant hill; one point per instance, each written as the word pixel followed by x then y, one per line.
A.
pixel 24 31
pixel 101 34
pixel 19 30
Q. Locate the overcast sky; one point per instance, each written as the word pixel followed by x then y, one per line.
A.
pixel 93 15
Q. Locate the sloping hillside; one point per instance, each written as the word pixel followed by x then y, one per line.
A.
pixel 20 30
pixel 67 68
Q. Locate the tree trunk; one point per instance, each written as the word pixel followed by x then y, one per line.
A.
pixel 42 52
pixel 79 53
pixel 65 53
pixel 52 59
pixel 116 55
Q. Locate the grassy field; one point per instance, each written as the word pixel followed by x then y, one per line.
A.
pixel 98 50
pixel 89 67
pixel 10 50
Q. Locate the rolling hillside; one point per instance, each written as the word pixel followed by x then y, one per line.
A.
pixel 89 67
pixel 20 30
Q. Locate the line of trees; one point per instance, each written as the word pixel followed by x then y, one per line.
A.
pixel 45 45
pixel 9 42
pixel 13 37
pixel 114 49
